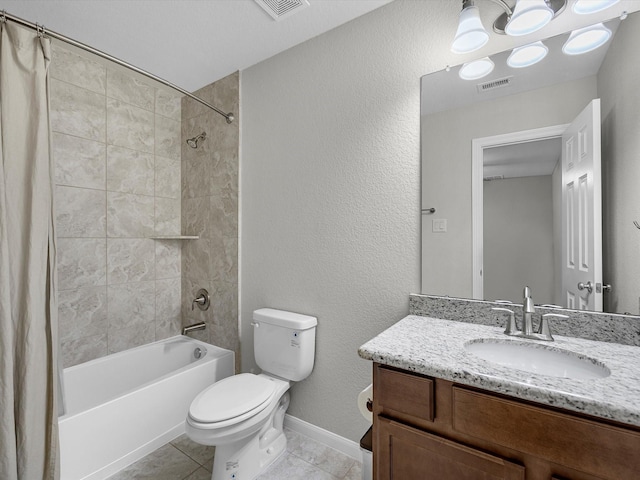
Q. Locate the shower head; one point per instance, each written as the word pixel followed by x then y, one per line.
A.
pixel 193 142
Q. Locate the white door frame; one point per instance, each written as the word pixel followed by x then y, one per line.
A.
pixel 477 190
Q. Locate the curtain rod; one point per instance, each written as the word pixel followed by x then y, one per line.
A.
pixel 41 30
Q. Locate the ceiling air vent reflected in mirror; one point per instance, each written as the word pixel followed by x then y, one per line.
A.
pixel 279 9
pixel 493 84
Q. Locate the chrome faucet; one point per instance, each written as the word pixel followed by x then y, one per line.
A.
pixel 527 312
pixel 528 309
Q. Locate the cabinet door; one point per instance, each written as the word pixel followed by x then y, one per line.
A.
pixel 583 445
pixel 406 453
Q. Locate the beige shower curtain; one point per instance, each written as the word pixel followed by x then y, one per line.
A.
pixel 28 312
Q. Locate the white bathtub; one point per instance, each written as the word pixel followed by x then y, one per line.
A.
pixel 121 407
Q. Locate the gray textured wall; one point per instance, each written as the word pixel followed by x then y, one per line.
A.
pixel 518 238
pixel 618 89
pixel 330 191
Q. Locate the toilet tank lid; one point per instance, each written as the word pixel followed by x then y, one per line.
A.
pixel 281 318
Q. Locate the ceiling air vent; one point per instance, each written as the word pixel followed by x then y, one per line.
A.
pixel 279 9
pixel 493 84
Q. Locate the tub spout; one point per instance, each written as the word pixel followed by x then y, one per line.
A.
pixel 195 326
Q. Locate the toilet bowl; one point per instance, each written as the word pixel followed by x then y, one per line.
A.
pixel 243 415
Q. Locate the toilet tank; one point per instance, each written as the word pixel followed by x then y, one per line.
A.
pixel 284 343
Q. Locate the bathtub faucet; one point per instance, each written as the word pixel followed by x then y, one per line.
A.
pixel 194 327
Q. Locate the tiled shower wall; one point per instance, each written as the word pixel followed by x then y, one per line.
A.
pixel 210 210
pixel 116 145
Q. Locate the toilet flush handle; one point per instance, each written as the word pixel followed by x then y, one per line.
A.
pixel 255 324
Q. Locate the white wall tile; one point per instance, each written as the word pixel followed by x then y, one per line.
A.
pixel 81 262
pixel 110 129
pixel 210 210
pixel 82 312
pixel 168 258
pixel 80 212
pixel 130 171
pixel 129 215
pixel 80 350
pixel 77 70
pixel 130 89
pixel 77 111
pixel 167 220
pixel 168 307
pixel 125 338
pixel 168 103
pixel 167 178
pixel 167 137
pixel 129 126
pixel 131 304
pixel 130 260
pixel 79 162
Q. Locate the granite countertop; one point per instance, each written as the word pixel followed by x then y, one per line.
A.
pixel 435 347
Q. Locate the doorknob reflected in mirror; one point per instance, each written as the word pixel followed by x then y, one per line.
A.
pixel 585 286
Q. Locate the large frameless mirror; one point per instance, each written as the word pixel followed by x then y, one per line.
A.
pixel 530 177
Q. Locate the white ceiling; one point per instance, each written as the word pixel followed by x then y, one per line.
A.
pixel 527 159
pixel 190 43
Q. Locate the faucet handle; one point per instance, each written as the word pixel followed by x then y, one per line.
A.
pixel 511 328
pixel 543 329
pixel 202 300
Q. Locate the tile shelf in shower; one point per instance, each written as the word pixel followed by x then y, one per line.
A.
pixel 175 237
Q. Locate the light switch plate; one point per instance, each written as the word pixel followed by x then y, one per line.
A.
pixel 439 225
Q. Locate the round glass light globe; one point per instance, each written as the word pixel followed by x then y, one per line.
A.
pixel 476 69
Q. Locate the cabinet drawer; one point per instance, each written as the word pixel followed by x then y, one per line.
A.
pixel 585 445
pixel 404 393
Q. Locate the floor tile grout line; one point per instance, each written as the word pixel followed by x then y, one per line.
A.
pixel 198 466
pixel 318 466
pixel 352 467
pixel 185 453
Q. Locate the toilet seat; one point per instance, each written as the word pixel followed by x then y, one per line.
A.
pixel 232 400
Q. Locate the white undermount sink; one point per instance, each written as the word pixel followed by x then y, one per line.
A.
pixel 536 358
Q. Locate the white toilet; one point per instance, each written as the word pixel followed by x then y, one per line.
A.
pixel 242 415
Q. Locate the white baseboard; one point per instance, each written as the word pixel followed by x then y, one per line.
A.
pixel 343 445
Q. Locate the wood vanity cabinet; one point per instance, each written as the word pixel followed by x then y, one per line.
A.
pixel 432 429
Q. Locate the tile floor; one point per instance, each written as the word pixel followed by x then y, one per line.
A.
pixel 305 459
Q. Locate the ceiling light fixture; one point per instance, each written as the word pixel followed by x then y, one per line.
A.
pixel 528 16
pixel 476 69
pixel 527 55
pixel 586 39
pixel 471 34
pixel 584 7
